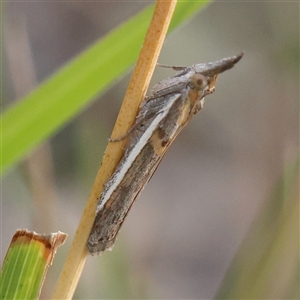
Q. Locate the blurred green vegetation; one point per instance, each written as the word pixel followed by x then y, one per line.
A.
pixel 55 102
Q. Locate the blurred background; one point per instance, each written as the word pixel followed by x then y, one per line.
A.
pixel 184 230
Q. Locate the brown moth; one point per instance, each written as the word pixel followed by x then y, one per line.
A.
pixel 170 106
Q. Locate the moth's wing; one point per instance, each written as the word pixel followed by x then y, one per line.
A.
pixel 150 107
pixel 148 112
pixel 146 151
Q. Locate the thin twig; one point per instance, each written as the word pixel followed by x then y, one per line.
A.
pixel 135 93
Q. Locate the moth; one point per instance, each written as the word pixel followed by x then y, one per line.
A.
pixel 162 115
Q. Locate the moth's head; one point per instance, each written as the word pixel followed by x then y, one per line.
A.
pixel 205 75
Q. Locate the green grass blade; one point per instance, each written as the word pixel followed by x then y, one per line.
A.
pixel 26 263
pixel 56 101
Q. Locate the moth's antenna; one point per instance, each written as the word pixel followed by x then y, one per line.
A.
pixel 176 68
